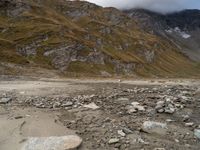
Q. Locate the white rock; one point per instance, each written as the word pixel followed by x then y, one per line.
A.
pixel 91 106
pixel 137 106
pixel 170 110
pixel 154 127
pixel 152 124
pixel 132 110
pixel 122 99
pixel 135 103
pixel 120 132
pixel 67 104
pixel 189 124
pixel 159 149
pixel 52 143
pixel 113 141
pixel 5 100
pixel 176 140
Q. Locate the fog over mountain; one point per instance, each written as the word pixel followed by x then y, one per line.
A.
pixel 162 6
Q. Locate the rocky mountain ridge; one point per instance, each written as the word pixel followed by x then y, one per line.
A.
pixel 182 28
pixel 80 38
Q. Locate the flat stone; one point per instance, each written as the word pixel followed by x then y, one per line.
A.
pixel 5 100
pixel 122 99
pixel 154 127
pixel 52 143
pixel 113 141
pixel 189 124
pixel 91 106
pixel 67 104
pixel 160 110
pixel 197 133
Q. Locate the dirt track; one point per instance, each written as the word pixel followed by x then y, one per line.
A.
pixel 60 103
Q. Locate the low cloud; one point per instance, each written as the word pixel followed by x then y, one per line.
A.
pixel 162 6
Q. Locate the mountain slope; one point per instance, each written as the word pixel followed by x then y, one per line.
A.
pixel 182 28
pixel 80 38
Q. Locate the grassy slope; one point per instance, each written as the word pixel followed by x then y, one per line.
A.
pixel 49 19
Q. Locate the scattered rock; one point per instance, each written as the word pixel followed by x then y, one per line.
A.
pixel 189 124
pixel 122 99
pixel 170 110
pixel 127 131
pixel 5 100
pixel 176 140
pixel 56 105
pixel 113 141
pixel 53 143
pixel 67 104
pixel 137 106
pixel 120 132
pixel 160 105
pixel 91 106
pixel 166 106
pixel 186 117
pixel 170 120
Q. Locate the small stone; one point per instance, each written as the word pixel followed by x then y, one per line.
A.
pixel 186 117
pixel 137 106
pixel 56 104
pixel 67 104
pixel 159 149
pixel 5 100
pixel 91 106
pixel 160 110
pixel 132 110
pixel 176 140
pixel 169 110
pixel 120 132
pixel 197 133
pixel 135 103
pixel 187 145
pixel 122 99
pixel 113 141
pixel 170 120
pixel 127 131
pixel 159 105
pixel 189 124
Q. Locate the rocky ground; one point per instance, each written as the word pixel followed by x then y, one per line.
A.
pixel 99 114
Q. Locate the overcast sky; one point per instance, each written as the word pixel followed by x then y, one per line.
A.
pixel 163 6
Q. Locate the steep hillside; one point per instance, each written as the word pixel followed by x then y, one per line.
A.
pixel 182 28
pixel 80 38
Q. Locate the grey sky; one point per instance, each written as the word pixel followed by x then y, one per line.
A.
pixel 163 6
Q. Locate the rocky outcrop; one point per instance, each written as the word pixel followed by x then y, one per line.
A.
pixel 13 8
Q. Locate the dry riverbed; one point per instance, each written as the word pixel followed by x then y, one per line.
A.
pixel 88 114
